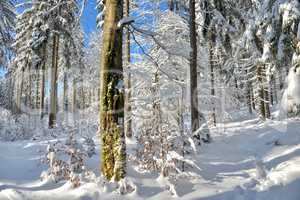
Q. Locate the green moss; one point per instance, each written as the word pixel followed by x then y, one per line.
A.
pixel 113 153
pixel 113 148
pixel 107 155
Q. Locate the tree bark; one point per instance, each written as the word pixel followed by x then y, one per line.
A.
pixel 66 84
pixel 11 90
pixel 171 5
pixel 65 97
pixel 263 93
pixel 248 92
pixel 29 96
pixel 42 101
pixel 20 88
pixel 53 92
pixel 111 95
pixel 74 97
pixel 37 91
pixel 266 94
pixel 193 68
pixel 261 98
pixel 249 97
pixel 252 97
pixel 212 40
pixel 128 120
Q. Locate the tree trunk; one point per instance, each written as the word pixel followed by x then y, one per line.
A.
pixel 267 104
pixel 42 99
pixel 261 94
pixel 74 97
pixel 248 92
pixel 211 43
pixel 74 101
pixel 11 90
pixel 20 88
pixel 266 94
pixel 29 91
pixel 249 97
pixel 37 91
pixel 273 92
pixel 275 95
pixel 171 5
pixel 65 97
pixel 127 108
pixel 53 92
pixel 252 97
pixel 111 95
pixel 66 68
pixel 193 68
pixel 82 103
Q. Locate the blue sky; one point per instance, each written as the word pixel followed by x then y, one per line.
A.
pixel 88 20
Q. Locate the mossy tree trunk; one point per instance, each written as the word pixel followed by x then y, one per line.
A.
pixel 111 95
pixel 53 92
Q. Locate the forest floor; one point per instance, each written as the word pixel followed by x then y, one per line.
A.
pixel 247 160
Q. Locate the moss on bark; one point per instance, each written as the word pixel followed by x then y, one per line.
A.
pixel 111 96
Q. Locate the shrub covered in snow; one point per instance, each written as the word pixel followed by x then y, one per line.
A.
pixel 66 160
pixel 290 103
pixel 14 127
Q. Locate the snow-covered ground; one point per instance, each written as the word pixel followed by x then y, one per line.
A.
pixel 247 160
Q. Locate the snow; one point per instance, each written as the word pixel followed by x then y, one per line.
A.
pixel 291 96
pixel 125 21
pixel 247 160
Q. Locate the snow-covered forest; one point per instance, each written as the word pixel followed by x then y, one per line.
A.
pixel 178 99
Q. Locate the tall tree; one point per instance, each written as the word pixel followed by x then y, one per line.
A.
pixel 127 108
pixel 23 55
pixel 53 91
pixel 63 22
pixel 193 68
pixel 111 94
pixel 211 43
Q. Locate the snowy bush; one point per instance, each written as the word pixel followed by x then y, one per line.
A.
pixel 66 161
pixel 290 103
pixel 14 127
